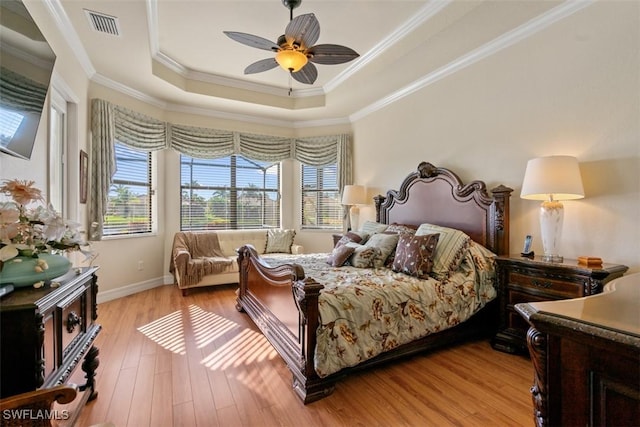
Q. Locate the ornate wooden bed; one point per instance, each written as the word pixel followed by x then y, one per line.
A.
pixel 283 302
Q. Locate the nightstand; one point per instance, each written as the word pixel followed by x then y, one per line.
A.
pixel 532 280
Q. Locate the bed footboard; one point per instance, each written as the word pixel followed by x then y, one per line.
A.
pixel 283 304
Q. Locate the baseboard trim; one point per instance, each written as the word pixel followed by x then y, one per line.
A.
pixel 134 288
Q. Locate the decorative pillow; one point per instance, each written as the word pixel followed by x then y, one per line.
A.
pixel 362 256
pixel 385 243
pixel 414 254
pixel 401 228
pixel 339 255
pixel 451 248
pixel 279 241
pixel 364 236
pixel 349 237
pixel 398 229
pixel 371 227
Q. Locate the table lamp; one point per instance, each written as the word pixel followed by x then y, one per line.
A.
pixel 353 195
pixel 552 179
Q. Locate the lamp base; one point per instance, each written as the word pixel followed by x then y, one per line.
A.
pixel 551 216
pixel 354 218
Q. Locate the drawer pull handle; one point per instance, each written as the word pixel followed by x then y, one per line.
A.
pixel 73 320
pixel 539 284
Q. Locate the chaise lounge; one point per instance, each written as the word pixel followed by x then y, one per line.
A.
pixel 207 258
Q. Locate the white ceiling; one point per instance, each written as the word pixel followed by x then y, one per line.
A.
pixel 173 52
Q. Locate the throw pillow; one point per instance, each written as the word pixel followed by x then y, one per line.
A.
pixel 414 254
pixel 279 241
pixel 339 255
pixel 450 251
pixel 371 227
pixel 398 229
pixel 385 243
pixel 349 237
pixel 362 256
pixel 363 236
pixel 401 228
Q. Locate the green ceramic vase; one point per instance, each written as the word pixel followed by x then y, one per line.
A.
pixel 21 271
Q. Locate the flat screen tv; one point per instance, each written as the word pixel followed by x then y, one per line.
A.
pixel 26 65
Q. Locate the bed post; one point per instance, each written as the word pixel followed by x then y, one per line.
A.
pixel 501 195
pixel 308 385
pixel 378 200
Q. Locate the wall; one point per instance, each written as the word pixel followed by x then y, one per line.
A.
pixel 572 89
pixel 71 82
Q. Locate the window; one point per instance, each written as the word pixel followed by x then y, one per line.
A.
pixel 57 153
pixel 129 207
pixel 228 193
pixel 321 206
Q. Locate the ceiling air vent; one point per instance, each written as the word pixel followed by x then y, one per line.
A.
pixel 103 23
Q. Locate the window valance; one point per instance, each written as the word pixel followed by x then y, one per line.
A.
pixel 111 123
pixel 20 93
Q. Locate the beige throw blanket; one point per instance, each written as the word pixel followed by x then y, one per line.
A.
pixel 206 256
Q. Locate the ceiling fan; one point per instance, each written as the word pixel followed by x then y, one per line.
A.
pixel 295 49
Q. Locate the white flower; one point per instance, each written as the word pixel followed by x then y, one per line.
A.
pixel 54 225
pixel 33 230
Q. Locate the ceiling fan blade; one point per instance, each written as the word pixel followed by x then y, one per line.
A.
pixel 253 41
pixel 329 54
pixel 260 66
pixel 307 74
pixel 303 29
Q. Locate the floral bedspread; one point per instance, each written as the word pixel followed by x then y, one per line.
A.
pixel 364 312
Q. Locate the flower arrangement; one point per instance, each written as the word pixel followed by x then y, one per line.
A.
pixel 27 230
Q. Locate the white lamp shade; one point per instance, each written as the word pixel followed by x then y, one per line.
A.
pixel 354 195
pixel 552 178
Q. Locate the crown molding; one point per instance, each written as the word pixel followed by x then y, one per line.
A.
pixel 208 112
pixel 507 39
pixel 69 33
pixel 189 74
pixel 126 90
pixel 424 14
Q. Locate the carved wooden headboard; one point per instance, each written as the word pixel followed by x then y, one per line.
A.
pixel 437 196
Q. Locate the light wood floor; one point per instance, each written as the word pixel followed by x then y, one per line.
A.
pixel 168 360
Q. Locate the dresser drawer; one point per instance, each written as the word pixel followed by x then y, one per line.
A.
pixel 517 297
pixel 517 324
pixel 514 320
pixel 522 280
pixel 71 313
pixel 49 345
pixel 544 286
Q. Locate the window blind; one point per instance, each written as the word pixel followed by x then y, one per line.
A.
pixel 228 193
pixel 129 204
pixel 321 206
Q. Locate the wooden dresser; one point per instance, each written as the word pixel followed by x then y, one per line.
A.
pixel 47 333
pixel 586 355
pixel 531 280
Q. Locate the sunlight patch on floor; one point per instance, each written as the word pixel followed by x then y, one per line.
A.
pixel 248 347
pixel 207 326
pixel 169 331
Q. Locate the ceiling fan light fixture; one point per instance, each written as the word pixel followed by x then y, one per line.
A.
pixel 296 50
pixel 291 60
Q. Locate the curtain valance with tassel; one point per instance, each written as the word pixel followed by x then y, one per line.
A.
pixel 111 123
